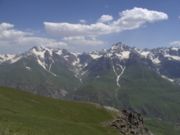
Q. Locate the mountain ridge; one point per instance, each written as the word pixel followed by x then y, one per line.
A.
pixel 122 76
pixel 119 50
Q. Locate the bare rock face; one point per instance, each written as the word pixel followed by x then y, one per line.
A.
pixel 130 123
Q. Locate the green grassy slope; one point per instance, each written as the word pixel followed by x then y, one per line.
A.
pixel 149 93
pixel 160 127
pixel 23 113
pixel 141 89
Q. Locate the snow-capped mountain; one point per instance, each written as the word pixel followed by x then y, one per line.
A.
pixel 118 76
pixel 6 57
pixel 165 61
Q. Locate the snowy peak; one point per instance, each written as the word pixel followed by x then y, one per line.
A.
pixel 78 63
pixel 118 50
pixel 6 57
pixel 118 47
pixel 50 57
pixel 171 53
pixel 95 55
pixel 40 51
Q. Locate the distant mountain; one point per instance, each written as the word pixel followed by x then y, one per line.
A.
pixel 145 80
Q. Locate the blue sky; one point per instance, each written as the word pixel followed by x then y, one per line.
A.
pixel 83 25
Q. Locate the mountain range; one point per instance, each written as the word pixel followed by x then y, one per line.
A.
pixel 145 80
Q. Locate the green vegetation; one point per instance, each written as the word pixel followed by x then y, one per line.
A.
pixel 23 113
pixel 141 89
pixel 160 127
pixel 37 78
pixel 147 92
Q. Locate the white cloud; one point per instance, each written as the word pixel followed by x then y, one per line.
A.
pixel 4 26
pixel 128 20
pixel 105 18
pixel 68 29
pixel 137 17
pixel 9 36
pixel 81 40
pixel 40 41
pixel 175 43
pixel 8 33
pixel 81 33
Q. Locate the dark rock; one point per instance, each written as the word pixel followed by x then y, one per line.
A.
pixel 130 123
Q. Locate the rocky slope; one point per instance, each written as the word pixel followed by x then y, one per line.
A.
pixel 130 123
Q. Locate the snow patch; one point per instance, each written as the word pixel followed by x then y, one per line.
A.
pixel 42 64
pixel 50 50
pixel 59 52
pixel 63 92
pixel 38 53
pixel 177 58
pixel 125 54
pixel 175 49
pixel 76 62
pixel 15 59
pixel 167 78
pixel 66 57
pixel 6 57
pixel 144 54
pixel 84 72
pixel 109 54
pixel 28 68
pixel 76 54
pixel 156 60
pixel 95 56
pixel 120 74
pixel 109 108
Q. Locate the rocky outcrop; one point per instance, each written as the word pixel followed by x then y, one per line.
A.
pixel 130 123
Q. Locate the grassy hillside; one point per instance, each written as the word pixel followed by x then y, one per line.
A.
pixel 141 89
pixel 160 127
pixel 146 91
pixel 22 113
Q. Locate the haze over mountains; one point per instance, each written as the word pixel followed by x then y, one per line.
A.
pixel 122 76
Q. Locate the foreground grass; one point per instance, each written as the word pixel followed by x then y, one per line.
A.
pixel 23 113
pixel 160 127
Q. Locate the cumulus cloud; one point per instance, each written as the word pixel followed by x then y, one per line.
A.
pixel 105 18
pixel 81 40
pixel 8 33
pixel 10 36
pixel 68 29
pixel 127 20
pixel 5 26
pixel 81 33
pixel 137 17
pixel 175 43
